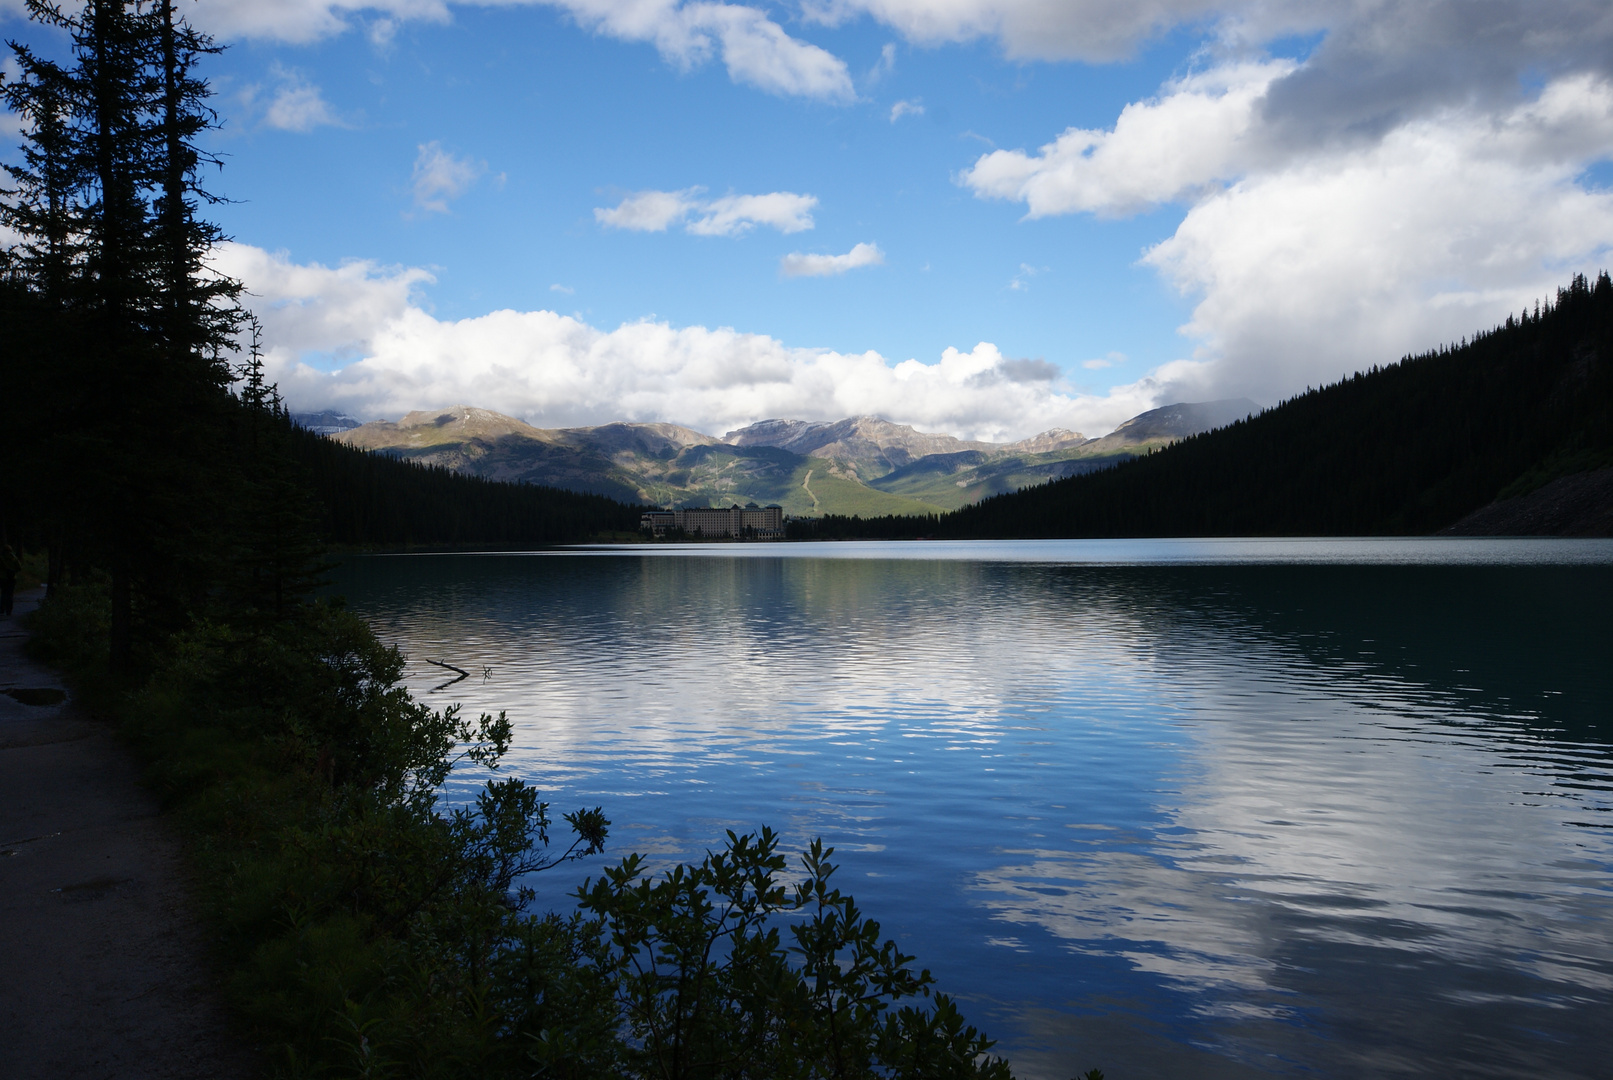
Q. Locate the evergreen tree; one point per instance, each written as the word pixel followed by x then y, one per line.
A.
pixel 106 201
pixel 200 316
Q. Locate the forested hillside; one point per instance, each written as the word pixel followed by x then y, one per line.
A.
pixel 367 498
pixel 1405 449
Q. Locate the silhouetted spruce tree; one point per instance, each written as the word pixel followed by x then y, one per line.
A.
pixel 112 241
pixel 277 555
pixel 44 203
pixel 199 315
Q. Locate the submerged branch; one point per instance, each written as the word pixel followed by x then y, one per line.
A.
pixel 463 674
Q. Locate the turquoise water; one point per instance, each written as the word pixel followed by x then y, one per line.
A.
pixel 1172 808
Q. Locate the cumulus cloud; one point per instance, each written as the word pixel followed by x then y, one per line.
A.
pixel 1337 261
pixel 734 214
pixel 906 108
pixel 392 356
pixel 1417 177
pixel 799 265
pixel 440 176
pixel 1378 63
pixel 296 105
pixel 313 308
pixel 756 51
pixel 304 21
pixel 731 215
pixel 1197 132
pixel 648 211
pixel 1376 59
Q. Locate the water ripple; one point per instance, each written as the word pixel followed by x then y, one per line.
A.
pixel 1185 807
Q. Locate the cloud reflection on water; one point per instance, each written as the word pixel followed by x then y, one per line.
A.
pixel 1345 819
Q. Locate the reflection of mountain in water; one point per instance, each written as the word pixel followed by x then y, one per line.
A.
pixel 1195 820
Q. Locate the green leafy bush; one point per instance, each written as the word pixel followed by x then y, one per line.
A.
pixel 371 931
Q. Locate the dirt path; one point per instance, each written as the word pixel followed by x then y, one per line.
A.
pixel 805 480
pixel 102 967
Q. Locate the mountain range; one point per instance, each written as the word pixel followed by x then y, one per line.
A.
pixel 862 465
pixel 1508 433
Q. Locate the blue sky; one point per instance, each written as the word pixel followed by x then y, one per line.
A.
pixel 712 213
pixel 566 122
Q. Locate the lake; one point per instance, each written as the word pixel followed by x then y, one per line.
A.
pixel 1329 808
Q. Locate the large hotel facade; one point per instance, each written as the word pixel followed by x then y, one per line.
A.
pixel 739 522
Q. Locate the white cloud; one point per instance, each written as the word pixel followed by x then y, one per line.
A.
pixel 755 50
pixel 1312 256
pixel 885 64
pixel 297 105
pixel 690 32
pixel 304 21
pixel 440 176
pixel 731 215
pixel 734 214
pixel 314 308
pixel 567 289
pixel 1021 281
pixel 1198 132
pixel 1338 261
pixel 381 33
pixel 799 265
pixel 906 108
pixel 649 211
pixel 553 370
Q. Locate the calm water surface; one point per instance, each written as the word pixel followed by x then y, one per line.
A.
pixel 1171 808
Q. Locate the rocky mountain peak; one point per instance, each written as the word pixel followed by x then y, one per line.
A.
pixel 431 427
pixel 1047 442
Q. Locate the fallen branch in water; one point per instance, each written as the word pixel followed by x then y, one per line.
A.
pixel 463 674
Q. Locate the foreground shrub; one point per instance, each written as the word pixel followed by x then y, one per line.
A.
pixel 370 931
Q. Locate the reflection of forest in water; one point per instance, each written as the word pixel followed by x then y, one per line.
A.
pixel 1525 643
pixel 1346 820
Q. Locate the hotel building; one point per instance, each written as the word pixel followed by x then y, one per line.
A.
pixel 750 522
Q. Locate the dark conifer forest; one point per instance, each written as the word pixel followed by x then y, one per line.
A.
pixel 375 499
pixel 140 440
pixel 1409 448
